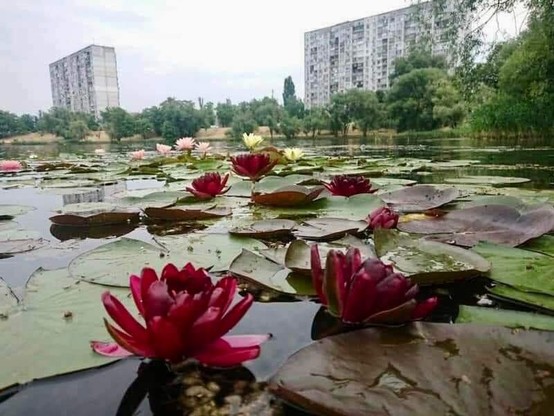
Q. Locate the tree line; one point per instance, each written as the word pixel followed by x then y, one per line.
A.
pixel 511 92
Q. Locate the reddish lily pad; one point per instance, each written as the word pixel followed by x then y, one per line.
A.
pixel 288 196
pixel 328 229
pixel 265 229
pixel 424 369
pixel 105 218
pixel 500 224
pixel 419 198
pixel 186 214
pixel 427 262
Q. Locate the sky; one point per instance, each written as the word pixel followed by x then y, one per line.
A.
pixel 215 49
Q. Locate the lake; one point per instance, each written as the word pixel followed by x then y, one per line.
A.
pixel 391 163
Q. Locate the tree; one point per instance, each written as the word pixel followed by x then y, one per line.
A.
pixel 244 122
pixel 77 130
pixel 268 113
pixel 225 113
pixel 290 126
pixel 169 131
pixel 315 120
pixel 118 123
pixel 28 123
pixel 340 113
pixel 364 109
pixel 9 124
pixel 411 99
pixel 418 58
pixel 143 127
pixel 293 106
pixel 448 107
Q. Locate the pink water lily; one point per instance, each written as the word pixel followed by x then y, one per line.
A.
pixel 163 149
pixel 10 165
pixel 367 291
pixel 203 148
pixel 138 154
pixel 185 143
pixel 349 185
pixel 186 316
pixel 382 217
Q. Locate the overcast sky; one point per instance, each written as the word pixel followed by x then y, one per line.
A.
pixel 218 49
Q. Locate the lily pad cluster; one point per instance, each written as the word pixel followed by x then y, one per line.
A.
pixel 254 220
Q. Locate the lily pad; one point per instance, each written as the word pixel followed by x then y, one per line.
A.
pixel 488 180
pixel 522 269
pixel 534 300
pixel 288 196
pixel 268 274
pixel 186 214
pixel 544 245
pixel 7 299
pixel 499 224
pixel 508 318
pixel 111 264
pixel 8 212
pixel 419 198
pixel 103 219
pixel 424 369
pixel 150 200
pixel 49 332
pixel 265 229
pixel 511 201
pixel 215 251
pixel 427 262
pixel 327 229
pixel 13 241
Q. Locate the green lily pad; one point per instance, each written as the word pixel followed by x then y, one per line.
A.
pixel 522 269
pixel 423 369
pixel 328 229
pixel 271 275
pixel 544 245
pixel 530 299
pixel 427 262
pixel 207 250
pixel 499 224
pixel 151 199
pixel 13 241
pixel 508 318
pixel 8 212
pixel 49 332
pixel 488 180
pixel 111 264
pixel 265 229
pixel 7 299
pixel 419 198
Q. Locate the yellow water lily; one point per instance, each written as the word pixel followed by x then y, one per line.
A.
pixel 293 153
pixel 252 140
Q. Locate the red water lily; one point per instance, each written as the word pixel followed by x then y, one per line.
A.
pixel 252 165
pixel 383 217
pixel 209 185
pixel 186 316
pixel 348 185
pixel 366 292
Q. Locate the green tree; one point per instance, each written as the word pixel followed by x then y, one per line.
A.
pixel 340 113
pixel 315 120
pixel 268 113
pixel 28 123
pixel 364 109
pixel 290 126
pixel 77 130
pixel 293 106
pixel 418 58
pixel 143 127
pixel 118 123
pixel 243 122
pixel 170 131
pixel 225 113
pixel 448 107
pixel 9 124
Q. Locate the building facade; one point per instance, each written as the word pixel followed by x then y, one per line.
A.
pixel 361 53
pixel 86 81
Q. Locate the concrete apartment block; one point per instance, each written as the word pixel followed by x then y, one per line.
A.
pixel 361 53
pixel 86 81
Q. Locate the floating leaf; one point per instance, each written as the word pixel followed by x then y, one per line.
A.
pixel 64 232
pixel 424 369
pixel 186 214
pixel 288 196
pixel 419 198
pixel 499 224
pixel 8 212
pixel 511 201
pixel 511 319
pixel 265 229
pixel 544 245
pixel 488 180
pixel 266 273
pixel 522 269
pixel 8 300
pixel 105 218
pixel 49 333
pixel 13 241
pixel 214 251
pixel 150 200
pixel 327 229
pixel 427 262
pixel 111 264
pixel 529 299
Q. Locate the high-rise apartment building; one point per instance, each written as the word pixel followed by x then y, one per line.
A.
pixel 86 81
pixel 361 53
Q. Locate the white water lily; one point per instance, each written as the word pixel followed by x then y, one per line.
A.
pixel 293 153
pixel 252 140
